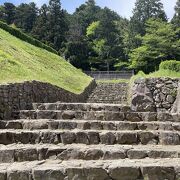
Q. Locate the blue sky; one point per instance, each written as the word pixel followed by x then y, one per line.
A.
pixel 122 7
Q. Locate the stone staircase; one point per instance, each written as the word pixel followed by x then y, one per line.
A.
pixel 76 141
pixel 114 93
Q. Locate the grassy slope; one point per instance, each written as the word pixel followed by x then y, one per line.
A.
pixel 20 61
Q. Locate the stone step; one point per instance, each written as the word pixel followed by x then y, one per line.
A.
pixel 81 107
pixel 28 152
pixel 89 137
pixel 125 169
pixel 98 115
pixel 88 124
pixel 110 93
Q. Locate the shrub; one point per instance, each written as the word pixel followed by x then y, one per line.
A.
pixel 171 65
pixel 17 33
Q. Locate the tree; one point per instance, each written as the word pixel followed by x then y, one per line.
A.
pixel 176 18
pixel 106 40
pixel 75 32
pixel 86 14
pixel 57 24
pixel 158 44
pixel 144 10
pixel 8 11
pixel 78 49
pixel 1 13
pixel 25 17
pixel 77 53
pixel 41 28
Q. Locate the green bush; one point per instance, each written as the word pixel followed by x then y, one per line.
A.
pixel 17 33
pixel 171 65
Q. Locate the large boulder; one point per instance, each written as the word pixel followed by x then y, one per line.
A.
pixel 142 99
pixel 176 105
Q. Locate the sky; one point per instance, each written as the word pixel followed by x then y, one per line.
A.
pixel 122 7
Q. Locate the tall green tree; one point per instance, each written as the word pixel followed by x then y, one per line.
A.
pixel 75 32
pixel 158 44
pixel 77 53
pixel 7 13
pixel 86 14
pixel 176 18
pixel 57 24
pixel 106 40
pixel 26 15
pixel 78 48
pixel 1 13
pixel 144 10
pixel 41 28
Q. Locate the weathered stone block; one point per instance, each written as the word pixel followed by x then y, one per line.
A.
pixel 6 156
pixel 46 114
pixel 96 125
pixel 107 138
pixel 48 174
pixel 19 175
pixel 2 175
pixel 127 138
pixel 70 154
pixel 126 126
pixel 67 125
pixel 93 154
pixel 68 115
pixel 147 138
pixel 93 138
pixel 87 173
pixel 68 137
pixel 82 138
pixel 169 138
pixel 158 173
pixel 124 173
pixel 21 155
pixel 114 155
pixel 136 154
pixel 162 154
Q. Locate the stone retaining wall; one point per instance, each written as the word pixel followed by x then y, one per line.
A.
pixel 155 94
pixel 18 96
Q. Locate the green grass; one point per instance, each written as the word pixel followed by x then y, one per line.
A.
pixel 21 61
